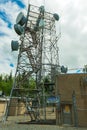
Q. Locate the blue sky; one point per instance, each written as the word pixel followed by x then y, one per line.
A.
pixel 73 22
pixel 7 19
pixel 18 2
pixel 3 13
pixel 4 17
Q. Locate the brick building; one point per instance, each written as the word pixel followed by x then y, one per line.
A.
pixel 72 89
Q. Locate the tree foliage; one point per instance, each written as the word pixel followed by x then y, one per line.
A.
pixel 6 83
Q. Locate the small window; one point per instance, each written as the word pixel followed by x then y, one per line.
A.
pixel 66 109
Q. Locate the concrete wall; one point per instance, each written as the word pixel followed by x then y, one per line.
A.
pixel 2 107
pixel 16 107
pixel 65 85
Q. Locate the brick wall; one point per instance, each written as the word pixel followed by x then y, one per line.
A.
pixel 65 85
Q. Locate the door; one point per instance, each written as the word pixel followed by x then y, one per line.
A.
pixel 67 115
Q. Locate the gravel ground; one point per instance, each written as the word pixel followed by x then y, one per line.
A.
pixel 12 124
pixel 36 127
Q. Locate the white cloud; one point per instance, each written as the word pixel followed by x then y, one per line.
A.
pixel 11 10
pixel 73 41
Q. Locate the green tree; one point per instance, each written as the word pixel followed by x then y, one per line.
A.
pixel 32 83
pixel 6 83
